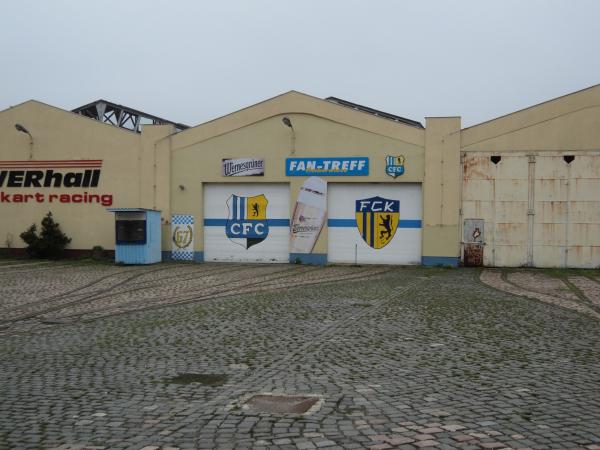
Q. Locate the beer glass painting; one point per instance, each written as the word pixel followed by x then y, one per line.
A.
pixel 309 215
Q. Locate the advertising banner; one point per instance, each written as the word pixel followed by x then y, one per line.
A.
pixel 351 166
pixel 241 167
pixel 309 215
pixel 182 237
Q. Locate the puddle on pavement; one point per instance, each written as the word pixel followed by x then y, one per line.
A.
pixel 280 404
pixel 207 379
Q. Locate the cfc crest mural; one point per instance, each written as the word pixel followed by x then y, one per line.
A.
pixel 394 165
pixel 247 223
pixel 377 220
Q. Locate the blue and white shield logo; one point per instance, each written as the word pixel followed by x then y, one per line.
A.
pixel 394 165
pixel 247 223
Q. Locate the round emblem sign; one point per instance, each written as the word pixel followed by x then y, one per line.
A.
pixel 182 238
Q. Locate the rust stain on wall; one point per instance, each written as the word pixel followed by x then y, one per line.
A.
pixel 477 168
pixel 473 255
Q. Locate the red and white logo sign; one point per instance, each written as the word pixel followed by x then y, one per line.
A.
pixel 52 174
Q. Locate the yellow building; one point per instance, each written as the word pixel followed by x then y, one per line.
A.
pixel 301 179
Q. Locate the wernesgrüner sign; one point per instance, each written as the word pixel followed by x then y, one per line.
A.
pixel 241 167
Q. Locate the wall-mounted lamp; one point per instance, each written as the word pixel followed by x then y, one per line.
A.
pixel 22 129
pixel 288 123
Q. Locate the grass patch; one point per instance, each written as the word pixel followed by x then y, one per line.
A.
pixel 200 312
pixel 250 357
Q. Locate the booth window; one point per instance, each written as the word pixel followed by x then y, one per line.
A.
pixel 131 231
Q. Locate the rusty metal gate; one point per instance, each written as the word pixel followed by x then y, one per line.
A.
pixel 538 209
pixel 474 240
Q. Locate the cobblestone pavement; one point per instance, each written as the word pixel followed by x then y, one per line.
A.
pixel 563 288
pixel 96 356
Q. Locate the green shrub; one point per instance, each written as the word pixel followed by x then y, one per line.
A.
pixel 49 243
pixel 97 252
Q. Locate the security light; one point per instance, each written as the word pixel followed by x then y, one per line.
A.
pixel 288 123
pixel 22 129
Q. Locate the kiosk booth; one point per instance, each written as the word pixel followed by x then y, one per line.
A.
pixel 137 236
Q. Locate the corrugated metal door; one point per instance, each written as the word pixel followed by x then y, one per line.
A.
pixel 374 241
pixel 497 192
pixel 246 222
pixel 539 210
pixel 567 211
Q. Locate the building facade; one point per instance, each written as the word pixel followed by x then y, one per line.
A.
pixel 301 179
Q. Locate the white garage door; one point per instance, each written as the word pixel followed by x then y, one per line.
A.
pixel 374 223
pixel 246 222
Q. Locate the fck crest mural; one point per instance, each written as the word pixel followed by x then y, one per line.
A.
pixel 247 221
pixel 377 220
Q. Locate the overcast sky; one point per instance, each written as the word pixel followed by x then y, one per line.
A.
pixel 192 61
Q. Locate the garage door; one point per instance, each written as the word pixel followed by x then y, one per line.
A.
pixel 246 222
pixel 495 190
pixel 566 219
pixel 537 210
pixel 374 223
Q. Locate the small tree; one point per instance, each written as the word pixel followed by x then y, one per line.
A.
pixel 49 243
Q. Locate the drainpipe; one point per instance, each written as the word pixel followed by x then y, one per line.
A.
pixel 530 208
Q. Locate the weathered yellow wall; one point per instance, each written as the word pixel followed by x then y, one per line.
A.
pixel 154 154
pixel 441 188
pixel 197 156
pixel 567 123
pixel 535 205
pixel 147 170
pixel 57 135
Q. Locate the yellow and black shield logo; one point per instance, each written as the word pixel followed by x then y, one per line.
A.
pixel 377 220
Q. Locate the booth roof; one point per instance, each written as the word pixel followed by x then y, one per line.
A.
pixel 131 209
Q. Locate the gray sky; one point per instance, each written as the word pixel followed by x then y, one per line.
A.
pixel 192 61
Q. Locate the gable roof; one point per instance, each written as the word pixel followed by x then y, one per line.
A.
pixel 294 102
pixel 375 112
pixel 533 115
